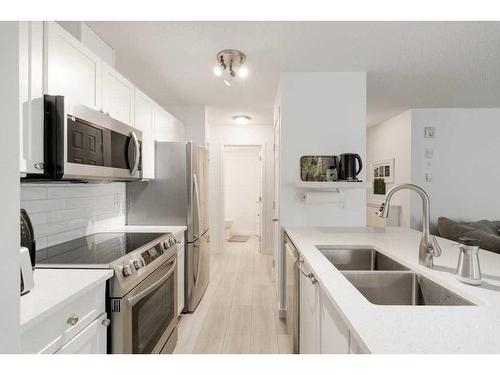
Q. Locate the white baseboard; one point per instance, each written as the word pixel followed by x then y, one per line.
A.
pixel 243 233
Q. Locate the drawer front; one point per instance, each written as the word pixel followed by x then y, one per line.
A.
pixel 92 340
pixel 50 334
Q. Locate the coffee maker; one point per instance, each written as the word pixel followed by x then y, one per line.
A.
pixel 348 171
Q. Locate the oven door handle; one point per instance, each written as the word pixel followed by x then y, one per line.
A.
pixel 134 299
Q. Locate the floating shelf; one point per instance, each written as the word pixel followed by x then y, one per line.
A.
pixel 332 186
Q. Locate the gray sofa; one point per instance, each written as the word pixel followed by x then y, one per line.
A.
pixel 486 231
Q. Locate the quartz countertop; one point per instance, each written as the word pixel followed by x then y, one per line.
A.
pixel 55 288
pixel 174 229
pixel 408 329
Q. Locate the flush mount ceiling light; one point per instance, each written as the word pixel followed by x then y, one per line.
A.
pixel 241 119
pixel 230 64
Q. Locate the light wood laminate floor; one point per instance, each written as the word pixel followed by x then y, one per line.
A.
pixel 238 313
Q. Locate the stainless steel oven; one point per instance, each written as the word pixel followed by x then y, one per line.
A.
pixel 144 320
pixel 81 143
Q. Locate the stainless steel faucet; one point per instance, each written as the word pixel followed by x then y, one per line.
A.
pixel 429 247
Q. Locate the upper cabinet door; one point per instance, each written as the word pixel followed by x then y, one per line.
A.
pixel 144 121
pixel 71 68
pixel 167 127
pixel 31 96
pixel 117 95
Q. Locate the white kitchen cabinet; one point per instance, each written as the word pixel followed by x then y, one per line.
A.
pixel 117 95
pixel 354 347
pixel 321 329
pixel 54 331
pixel 180 271
pixel 309 316
pixel 91 340
pixel 334 334
pixel 144 121
pixel 31 97
pixel 71 69
pixel 167 127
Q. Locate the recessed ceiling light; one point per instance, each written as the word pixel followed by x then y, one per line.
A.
pixel 241 119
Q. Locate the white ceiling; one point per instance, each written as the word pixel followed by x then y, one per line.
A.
pixel 409 64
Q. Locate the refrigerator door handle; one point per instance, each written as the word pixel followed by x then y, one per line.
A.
pixel 197 205
pixel 196 270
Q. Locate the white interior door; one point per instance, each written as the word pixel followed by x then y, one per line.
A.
pixel 242 188
pixel 276 200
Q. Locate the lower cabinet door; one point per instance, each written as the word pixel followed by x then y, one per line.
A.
pixel 309 317
pixel 91 340
pixel 334 334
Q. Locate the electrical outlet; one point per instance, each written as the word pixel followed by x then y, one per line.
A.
pixel 430 132
pixel 341 202
pixel 429 153
pixel 428 177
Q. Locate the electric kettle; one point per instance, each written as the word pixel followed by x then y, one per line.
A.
pixel 348 170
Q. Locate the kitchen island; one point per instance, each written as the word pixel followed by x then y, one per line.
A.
pixel 371 328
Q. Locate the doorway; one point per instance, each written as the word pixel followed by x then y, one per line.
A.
pixel 243 176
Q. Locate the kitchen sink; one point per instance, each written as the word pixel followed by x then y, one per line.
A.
pixel 360 260
pixel 402 288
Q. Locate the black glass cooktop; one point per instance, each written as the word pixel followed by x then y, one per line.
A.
pixel 98 249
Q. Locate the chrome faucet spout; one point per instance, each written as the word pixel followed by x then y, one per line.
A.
pixel 429 247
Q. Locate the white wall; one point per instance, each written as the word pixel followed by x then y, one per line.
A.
pixel 238 135
pixel 63 212
pixel 391 140
pixel 194 119
pixel 9 188
pixel 242 175
pixel 466 153
pixel 321 114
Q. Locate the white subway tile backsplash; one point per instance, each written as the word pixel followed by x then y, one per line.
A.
pixel 43 205
pixel 62 212
pixel 33 193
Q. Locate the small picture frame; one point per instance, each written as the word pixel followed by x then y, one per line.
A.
pixel 383 169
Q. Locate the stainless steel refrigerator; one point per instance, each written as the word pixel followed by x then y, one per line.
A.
pixel 178 195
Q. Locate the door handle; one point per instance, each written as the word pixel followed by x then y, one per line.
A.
pixel 137 158
pixel 275 219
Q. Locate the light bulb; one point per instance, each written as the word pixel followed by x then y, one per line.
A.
pixel 218 71
pixel 241 120
pixel 243 72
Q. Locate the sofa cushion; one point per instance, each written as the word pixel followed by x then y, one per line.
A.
pixel 485 226
pixel 452 230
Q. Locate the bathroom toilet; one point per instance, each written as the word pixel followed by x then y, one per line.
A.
pixel 228 223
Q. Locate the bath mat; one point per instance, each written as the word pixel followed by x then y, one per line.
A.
pixel 238 239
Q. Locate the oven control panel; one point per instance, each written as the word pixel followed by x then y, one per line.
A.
pixel 149 255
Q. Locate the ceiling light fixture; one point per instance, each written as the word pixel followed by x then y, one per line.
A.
pixel 241 119
pixel 230 64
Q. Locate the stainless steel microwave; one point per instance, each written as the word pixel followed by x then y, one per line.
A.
pixel 83 144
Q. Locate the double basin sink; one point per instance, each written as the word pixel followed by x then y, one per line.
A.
pixel 384 281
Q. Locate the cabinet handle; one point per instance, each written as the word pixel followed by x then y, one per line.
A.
pixel 309 275
pixel 106 322
pixel 72 320
pixel 39 166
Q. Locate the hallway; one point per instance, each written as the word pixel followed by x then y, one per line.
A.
pixel 238 313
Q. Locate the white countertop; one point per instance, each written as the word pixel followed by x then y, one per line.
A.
pixel 174 229
pixel 55 288
pixel 408 329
